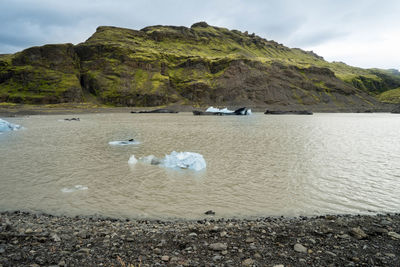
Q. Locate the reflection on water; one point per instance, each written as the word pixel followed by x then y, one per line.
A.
pixel 256 165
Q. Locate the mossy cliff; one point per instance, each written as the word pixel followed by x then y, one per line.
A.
pixel 201 65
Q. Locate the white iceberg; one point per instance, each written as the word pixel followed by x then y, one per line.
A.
pixel 224 110
pixel 185 160
pixel 175 160
pixel 6 126
pixel 124 143
pixel 74 188
pixel 240 111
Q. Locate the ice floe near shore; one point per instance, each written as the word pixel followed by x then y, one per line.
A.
pixel 175 160
pixel 6 126
pixel 124 143
pixel 74 188
pixel 224 110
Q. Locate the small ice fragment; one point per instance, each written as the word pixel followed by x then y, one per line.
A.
pixel 132 160
pixel 6 126
pixel 124 143
pixel 147 159
pixel 74 188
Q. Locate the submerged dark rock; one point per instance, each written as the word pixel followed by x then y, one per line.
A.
pixel 72 119
pixel 161 110
pixel 290 112
pixel 209 212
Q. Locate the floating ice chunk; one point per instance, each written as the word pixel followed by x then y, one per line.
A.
pixel 224 110
pixel 185 160
pixel 74 188
pixel 124 143
pixel 240 111
pixel 175 160
pixel 148 159
pixel 6 126
pixel 132 160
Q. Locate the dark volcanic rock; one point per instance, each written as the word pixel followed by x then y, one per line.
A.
pixel 162 110
pixel 45 240
pixel 396 110
pixel 290 112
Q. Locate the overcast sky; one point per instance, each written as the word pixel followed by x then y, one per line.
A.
pixel 363 33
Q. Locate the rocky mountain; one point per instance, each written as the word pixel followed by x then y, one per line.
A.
pixel 198 66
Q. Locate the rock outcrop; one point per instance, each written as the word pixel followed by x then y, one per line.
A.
pixel 201 65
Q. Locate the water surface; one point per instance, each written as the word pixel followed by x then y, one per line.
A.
pixel 257 165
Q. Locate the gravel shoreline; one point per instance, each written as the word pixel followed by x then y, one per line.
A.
pixel 28 239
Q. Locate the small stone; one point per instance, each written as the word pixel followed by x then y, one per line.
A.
pixel 225 252
pixel 174 259
pixel 217 258
pixel 394 235
pixel 279 265
pixel 250 240
pixel 344 236
pixel 84 250
pixel 214 229
pixel 157 251
pixel 28 231
pixel 330 253
pixel 257 256
pixel 2 250
pixel 358 233
pixel 218 246
pixel 83 235
pixel 56 238
pixel 247 262
pixel 165 258
pixel 61 263
pixel 300 248
pixel 193 235
pixel 390 255
pixel 209 212
pixel 223 234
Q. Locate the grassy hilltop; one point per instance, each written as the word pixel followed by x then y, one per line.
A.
pixel 200 65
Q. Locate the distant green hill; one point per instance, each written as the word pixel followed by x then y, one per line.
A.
pixel 201 65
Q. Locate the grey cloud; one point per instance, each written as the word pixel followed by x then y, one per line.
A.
pixel 291 22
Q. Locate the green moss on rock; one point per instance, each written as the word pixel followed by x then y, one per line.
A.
pixel 203 64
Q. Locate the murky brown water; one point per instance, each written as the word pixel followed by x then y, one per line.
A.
pixel 256 165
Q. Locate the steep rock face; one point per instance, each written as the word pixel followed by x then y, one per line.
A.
pixel 201 65
pixel 40 75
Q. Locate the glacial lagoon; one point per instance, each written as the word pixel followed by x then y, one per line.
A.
pixel 257 165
